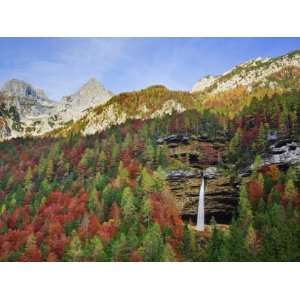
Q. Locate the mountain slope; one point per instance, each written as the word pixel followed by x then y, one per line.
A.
pixel 229 93
pixel 255 73
pixel 107 198
pixel 22 106
pixel 91 94
pixel 27 111
pixel 91 110
pixel 130 193
pixel 149 103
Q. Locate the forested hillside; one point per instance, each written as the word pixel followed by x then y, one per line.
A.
pixel 107 197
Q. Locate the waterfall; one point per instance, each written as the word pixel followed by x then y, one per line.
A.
pixel 200 216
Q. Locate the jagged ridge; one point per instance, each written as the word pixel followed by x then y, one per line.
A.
pixel 252 73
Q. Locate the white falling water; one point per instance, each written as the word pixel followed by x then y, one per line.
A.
pixel 200 216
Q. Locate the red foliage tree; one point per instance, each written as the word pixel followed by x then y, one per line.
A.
pixel 94 225
pixel 107 231
pixel 255 190
pixel 115 213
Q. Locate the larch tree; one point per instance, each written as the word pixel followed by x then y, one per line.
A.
pixel 152 245
pixel 75 251
pixel 127 204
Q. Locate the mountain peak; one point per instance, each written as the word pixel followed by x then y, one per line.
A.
pixel 92 83
pixel 16 87
pixel 91 89
pixel 91 94
pixel 93 80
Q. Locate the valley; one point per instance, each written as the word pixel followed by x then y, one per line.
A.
pixel 103 177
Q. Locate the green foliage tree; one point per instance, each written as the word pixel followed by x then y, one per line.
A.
pixel 245 211
pixel 75 251
pixel 168 254
pixel 146 212
pixel 152 245
pixel 147 181
pixel 119 249
pixel 234 146
pixel 127 204
pixel 216 248
pixel 27 179
pixel 94 250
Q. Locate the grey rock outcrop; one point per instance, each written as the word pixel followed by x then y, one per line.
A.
pixel 26 110
pixel 284 152
pixel 19 88
pixel 22 109
pixel 91 94
pixel 255 72
pixel 28 100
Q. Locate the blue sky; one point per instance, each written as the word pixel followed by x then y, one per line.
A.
pixel 61 65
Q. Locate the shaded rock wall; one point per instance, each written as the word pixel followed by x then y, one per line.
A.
pixel 221 197
pixel 201 157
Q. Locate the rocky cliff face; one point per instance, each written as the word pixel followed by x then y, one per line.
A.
pixel 22 108
pixel 283 152
pixel 221 196
pixel 201 157
pixel 26 110
pixel 19 88
pixel 28 100
pixel 204 83
pixel 88 96
pixel 260 72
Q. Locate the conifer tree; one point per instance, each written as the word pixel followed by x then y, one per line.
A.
pixel 27 179
pixel 152 245
pixel 245 212
pixel 290 190
pixel 102 161
pixel 75 251
pixel 49 169
pixel 216 249
pixel 127 204
pixel 168 254
pixel 147 181
pixel 95 250
pixel 234 146
pixel 159 177
pixel 146 212
pixel 119 248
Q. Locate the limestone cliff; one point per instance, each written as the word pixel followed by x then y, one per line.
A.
pixel 201 156
pixel 259 72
